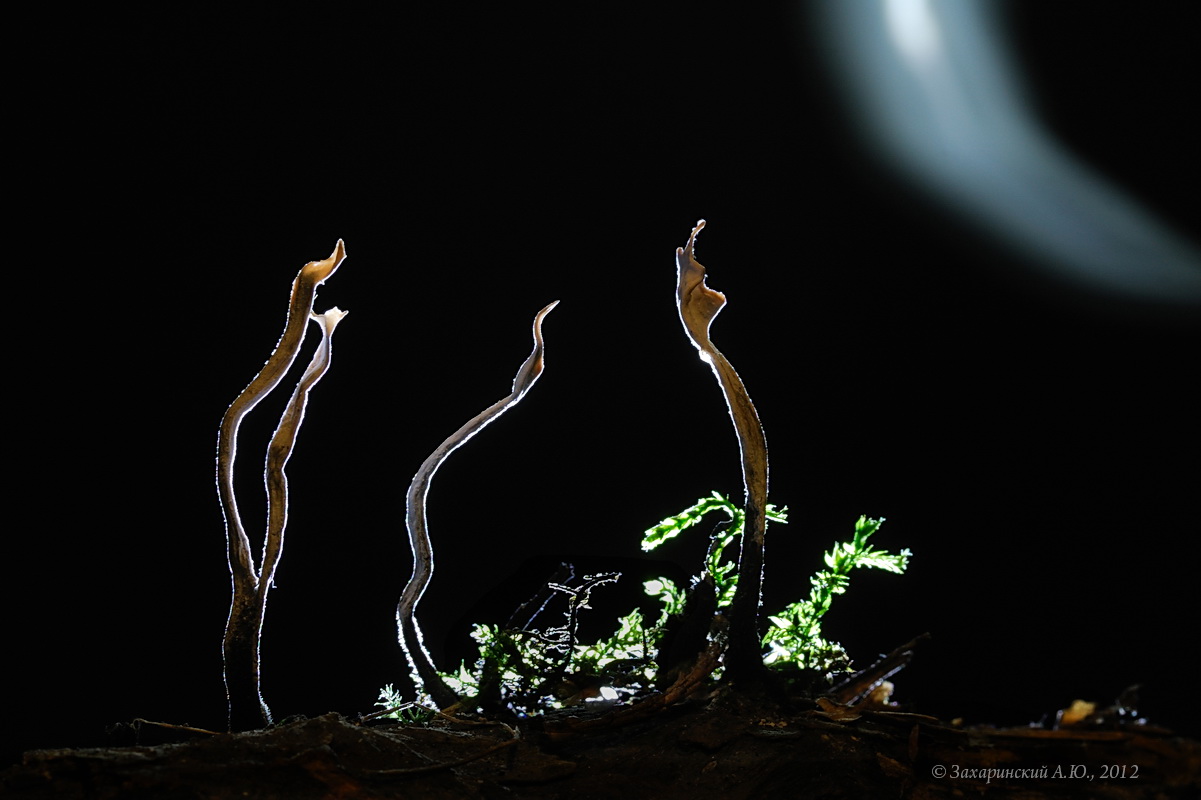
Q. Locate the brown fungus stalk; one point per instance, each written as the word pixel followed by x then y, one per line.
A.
pixel 425 675
pixel 699 306
pixel 243 629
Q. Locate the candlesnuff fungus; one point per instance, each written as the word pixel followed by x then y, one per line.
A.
pixel 698 306
pixel 240 648
pixel 651 663
pixel 425 676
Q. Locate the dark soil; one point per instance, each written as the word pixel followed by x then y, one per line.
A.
pixel 724 747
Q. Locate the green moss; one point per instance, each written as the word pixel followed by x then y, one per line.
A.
pixel 530 671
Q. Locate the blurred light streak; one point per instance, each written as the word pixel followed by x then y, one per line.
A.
pixel 934 91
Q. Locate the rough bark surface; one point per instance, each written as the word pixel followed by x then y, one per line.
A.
pixel 726 747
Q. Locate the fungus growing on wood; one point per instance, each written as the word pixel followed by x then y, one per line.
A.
pixel 425 675
pixel 243 629
pixel 699 306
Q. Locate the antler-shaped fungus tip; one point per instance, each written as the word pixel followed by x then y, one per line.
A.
pixel 532 368
pixel 698 304
pixel 319 271
pixel 329 319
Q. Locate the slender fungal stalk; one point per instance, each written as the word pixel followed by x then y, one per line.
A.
pixel 698 306
pixel 240 647
pixel 425 675
pixel 283 442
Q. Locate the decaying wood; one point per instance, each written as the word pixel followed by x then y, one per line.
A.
pixel 725 747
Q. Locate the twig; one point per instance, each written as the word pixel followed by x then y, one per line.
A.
pixel 170 726
pixel 862 683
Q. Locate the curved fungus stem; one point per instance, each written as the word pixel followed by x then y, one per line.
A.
pixel 425 675
pixel 240 647
pixel 283 442
pixel 699 306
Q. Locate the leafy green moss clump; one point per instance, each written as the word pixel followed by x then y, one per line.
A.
pixel 527 671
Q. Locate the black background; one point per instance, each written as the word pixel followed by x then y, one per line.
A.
pixel 1033 446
